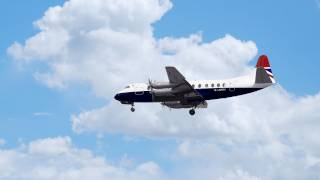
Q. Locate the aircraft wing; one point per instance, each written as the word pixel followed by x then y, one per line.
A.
pixel 174 76
pixel 183 87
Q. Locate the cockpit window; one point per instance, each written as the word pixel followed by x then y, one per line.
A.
pixel 127 87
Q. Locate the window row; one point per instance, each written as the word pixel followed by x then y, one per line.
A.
pixel 212 85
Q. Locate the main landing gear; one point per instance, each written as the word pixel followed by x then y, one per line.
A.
pixel 132 108
pixel 192 112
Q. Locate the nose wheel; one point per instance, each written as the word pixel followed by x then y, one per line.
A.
pixel 132 108
pixel 192 112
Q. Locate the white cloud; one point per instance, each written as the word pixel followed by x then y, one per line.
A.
pixel 238 174
pixel 50 146
pixel 57 158
pixel 267 114
pixel 109 43
pixel 94 42
pixel 263 160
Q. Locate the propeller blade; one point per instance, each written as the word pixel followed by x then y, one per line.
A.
pixel 150 84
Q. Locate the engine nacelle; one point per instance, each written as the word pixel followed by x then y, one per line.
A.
pixel 161 92
pixel 161 85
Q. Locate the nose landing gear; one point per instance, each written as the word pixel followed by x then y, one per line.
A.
pixel 192 112
pixel 132 108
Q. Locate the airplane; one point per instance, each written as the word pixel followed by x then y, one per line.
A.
pixel 179 93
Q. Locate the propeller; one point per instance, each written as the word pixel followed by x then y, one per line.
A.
pixel 150 83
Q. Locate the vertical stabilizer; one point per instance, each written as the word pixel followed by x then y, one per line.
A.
pixel 264 73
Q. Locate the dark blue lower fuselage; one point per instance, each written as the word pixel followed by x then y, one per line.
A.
pixel 207 94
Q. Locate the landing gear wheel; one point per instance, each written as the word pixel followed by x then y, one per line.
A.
pixel 192 112
pixel 132 109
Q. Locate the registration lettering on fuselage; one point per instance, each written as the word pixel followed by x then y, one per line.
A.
pixel 222 89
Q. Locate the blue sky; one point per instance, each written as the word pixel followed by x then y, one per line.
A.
pixel 287 31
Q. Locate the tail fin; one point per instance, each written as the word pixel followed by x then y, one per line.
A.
pixel 264 72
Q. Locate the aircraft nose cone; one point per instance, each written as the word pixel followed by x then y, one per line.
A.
pixel 116 97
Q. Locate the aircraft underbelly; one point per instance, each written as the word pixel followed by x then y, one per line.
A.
pixel 165 98
pixel 142 96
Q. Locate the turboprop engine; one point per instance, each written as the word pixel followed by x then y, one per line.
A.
pixel 165 91
pixel 160 85
pixel 162 92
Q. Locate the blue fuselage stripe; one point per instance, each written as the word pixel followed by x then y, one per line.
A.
pixel 207 94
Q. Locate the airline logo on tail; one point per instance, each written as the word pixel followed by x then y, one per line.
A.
pixel 263 62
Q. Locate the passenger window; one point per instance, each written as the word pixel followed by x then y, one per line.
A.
pixel 212 85
pixel 224 84
pixel 206 85
pixel 193 85
pixel 199 85
pixel 218 85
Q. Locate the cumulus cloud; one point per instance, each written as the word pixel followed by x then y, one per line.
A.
pixel 252 117
pixel 57 158
pixel 103 43
pixel 239 175
pixel 259 133
pixel 109 43
pixel 255 160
